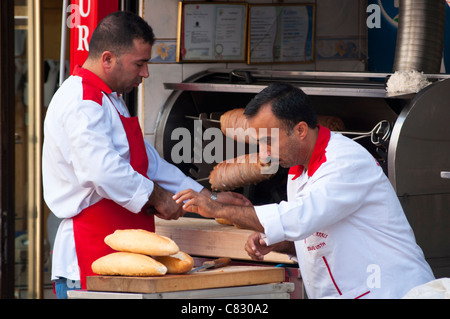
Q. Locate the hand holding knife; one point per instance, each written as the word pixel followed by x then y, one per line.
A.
pixel 212 264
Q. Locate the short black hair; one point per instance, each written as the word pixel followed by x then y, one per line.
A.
pixel 116 33
pixel 288 103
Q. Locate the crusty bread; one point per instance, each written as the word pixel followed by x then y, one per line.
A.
pixel 128 264
pixel 141 242
pixel 178 263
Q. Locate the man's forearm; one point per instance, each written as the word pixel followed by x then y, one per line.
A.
pixel 243 216
pixel 155 196
pixel 162 204
pixel 206 192
pixel 285 247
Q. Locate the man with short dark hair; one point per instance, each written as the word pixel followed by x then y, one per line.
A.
pixel 342 220
pixel 99 174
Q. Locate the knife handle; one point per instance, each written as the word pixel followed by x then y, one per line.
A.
pixel 220 262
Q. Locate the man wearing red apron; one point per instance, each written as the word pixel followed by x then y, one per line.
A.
pixel 95 222
pixel 99 174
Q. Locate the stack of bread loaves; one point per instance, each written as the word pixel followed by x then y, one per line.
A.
pixel 142 253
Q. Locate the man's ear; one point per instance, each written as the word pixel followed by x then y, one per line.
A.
pixel 301 129
pixel 108 60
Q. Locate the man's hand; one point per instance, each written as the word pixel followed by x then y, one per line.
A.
pixel 202 204
pixel 162 205
pixel 197 203
pixel 233 199
pixel 256 247
pixel 230 198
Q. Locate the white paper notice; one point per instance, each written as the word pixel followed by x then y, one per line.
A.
pixel 281 33
pixel 294 32
pixel 229 29
pixel 198 33
pixel 263 30
pixel 214 32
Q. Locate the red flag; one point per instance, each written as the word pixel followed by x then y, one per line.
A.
pixel 84 15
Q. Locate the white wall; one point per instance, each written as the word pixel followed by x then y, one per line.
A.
pixel 340 26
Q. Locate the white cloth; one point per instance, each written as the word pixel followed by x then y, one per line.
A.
pixel 351 236
pixel 86 158
pixel 436 289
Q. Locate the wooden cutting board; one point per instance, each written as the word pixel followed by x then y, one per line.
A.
pixel 229 276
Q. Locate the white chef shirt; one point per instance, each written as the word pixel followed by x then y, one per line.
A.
pixel 86 158
pixel 351 236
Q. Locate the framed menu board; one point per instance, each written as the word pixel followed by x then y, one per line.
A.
pixel 212 32
pixel 281 33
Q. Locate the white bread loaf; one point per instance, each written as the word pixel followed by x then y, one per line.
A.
pixel 178 263
pixel 128 264
pixel 141 242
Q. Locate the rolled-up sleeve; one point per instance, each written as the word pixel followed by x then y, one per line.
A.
pixel 269 217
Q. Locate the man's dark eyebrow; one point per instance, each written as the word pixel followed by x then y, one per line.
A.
pixel 141 61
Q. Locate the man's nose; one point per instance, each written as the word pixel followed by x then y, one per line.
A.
pixel 144 72
pixel 265 153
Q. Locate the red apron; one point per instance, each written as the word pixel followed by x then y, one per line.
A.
pixel 94 223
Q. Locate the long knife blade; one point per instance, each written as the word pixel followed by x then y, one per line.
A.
pixel 212 264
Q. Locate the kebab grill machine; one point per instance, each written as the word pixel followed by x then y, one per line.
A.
pixel 409 134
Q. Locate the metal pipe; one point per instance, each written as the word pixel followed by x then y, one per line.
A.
pixel 35 101
pixel 420 38
pixel 62 59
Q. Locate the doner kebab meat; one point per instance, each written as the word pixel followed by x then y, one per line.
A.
pixel 235 119
pixel 241 171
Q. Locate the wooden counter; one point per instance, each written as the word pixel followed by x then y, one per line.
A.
pixel 266 291
pixel 229 276
pixel 205 237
